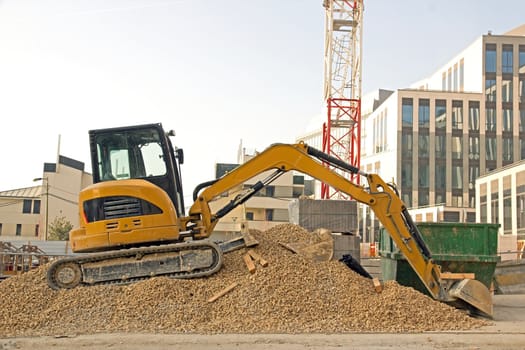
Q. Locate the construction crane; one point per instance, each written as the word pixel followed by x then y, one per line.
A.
pixel 342 86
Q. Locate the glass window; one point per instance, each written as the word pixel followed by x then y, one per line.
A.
pixel 490 115
pixel 507 149
pixel 36 206
pixel 507 119
pixel 18 229
pixel 522 120
pixel 424 113
pixel 26 209
pixel 506 59
pixel 473 147
pixel 522 58
pixel 483 212
pixel 490 148
pixel 522 148
pixel 507 216
pixel 424 146
pixel 440 146
pixel 130 154
pixel 441 114
pixel 457 147
pixel 406 174
pixel 457 114
pixel 423 197
pixel 457 177
pixel 490 90
pixel 506 90
pixel 406 146
pixel 407 198
pixel 423 174
pixel 494 208
pixel 521 90
pixel 440 197
pixel 473 115
pixel 407 111
pixel 490 58
pixel 440 177
pixel 457 201
pixel 473 174
pixel 520 210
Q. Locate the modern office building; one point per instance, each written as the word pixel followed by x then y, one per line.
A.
pixel 467 119
pixel 500 199
pixel 436 137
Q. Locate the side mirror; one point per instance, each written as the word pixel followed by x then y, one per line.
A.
pixel 179 153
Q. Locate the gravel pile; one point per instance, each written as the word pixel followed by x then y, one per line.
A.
pixel 290 295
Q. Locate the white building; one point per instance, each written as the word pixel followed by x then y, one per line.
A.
pixel 26 213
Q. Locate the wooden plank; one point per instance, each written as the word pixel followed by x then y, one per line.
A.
pixel 377 285
pixel 457 276
pixel 289 247
pixel 222 292
pixel 249 263
pixel 258 258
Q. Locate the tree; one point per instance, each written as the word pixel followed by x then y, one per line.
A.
pixel 59 229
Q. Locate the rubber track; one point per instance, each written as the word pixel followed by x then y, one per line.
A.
pixel 115 254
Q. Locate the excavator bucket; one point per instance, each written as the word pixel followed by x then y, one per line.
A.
pixel 472 295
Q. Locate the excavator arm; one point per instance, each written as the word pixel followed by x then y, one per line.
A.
pixel 378 195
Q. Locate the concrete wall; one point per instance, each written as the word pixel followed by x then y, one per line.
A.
pixel 334 215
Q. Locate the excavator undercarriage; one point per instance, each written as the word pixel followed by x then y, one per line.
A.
pixel 179 260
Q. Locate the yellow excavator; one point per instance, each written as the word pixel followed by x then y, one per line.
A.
pixel 133 223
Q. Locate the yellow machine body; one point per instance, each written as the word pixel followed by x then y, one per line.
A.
pixel 111 233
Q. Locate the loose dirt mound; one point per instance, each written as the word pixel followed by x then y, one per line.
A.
pixel 290 295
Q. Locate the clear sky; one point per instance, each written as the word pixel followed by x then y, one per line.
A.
pixel 215 71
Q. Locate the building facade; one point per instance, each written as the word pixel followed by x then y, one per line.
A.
pixel 500 199
pixel 465 121
pixel 27 213
pixel 20 211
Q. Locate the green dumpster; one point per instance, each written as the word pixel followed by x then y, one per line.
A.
pixel 457 247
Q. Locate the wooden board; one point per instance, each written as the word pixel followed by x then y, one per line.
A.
pixel 249 263
pixel 457 276
pixel 258 258
pixel 377 284
pixel 222 292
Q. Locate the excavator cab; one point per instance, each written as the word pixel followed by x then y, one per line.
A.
pixel 138 152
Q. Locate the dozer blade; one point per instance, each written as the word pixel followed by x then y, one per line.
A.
pixel 246 240
pixel 473 295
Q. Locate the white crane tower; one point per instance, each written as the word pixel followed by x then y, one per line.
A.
pixel 342 85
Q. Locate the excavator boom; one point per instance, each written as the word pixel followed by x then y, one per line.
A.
pixel 382 198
